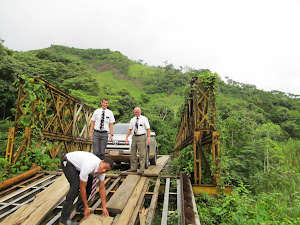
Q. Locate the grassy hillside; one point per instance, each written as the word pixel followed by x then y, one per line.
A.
pixel 260 131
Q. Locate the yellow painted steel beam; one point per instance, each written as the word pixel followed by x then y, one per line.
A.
pixel 10 144
pixel 9 182
pixel 62 115
pixel 211 189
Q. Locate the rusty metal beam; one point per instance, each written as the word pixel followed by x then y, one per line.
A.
pixel 197 128
pixel 211 189
pixel 64 123
pixel 189 213
pixel 9 182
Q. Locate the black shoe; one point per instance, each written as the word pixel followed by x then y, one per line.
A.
pixel 80 208
pixel 67 222
pixel 140 172
pixel 65 214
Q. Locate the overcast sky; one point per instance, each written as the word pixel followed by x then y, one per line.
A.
pixel 253 42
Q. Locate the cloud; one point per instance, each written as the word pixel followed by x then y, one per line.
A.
pixel 255 42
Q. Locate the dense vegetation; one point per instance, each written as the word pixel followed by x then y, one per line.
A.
pixel 260 131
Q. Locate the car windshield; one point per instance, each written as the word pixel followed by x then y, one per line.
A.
pixel 121 128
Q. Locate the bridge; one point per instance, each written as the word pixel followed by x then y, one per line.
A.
pixel 55 121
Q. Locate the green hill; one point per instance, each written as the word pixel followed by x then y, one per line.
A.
pixel 260 130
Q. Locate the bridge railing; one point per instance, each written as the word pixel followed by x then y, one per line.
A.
pixel 198 128
pixel 63 122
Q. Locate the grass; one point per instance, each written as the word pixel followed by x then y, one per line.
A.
pixel 108 80
pixel 138 71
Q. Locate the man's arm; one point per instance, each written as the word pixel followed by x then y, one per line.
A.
pixel 111 128
pixel 102 192
pixel 127 135
pixel 91 129
pixel 84 198
pixel 148 136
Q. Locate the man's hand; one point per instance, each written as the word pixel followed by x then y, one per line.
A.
pixel 91 135
pixel 126 141
pixel 105 212
pixel 110 138
pixel 148 142
pixel 86 213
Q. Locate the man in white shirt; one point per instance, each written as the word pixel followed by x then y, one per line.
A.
pixel 79 168
pixel 102 122
pixel 140 125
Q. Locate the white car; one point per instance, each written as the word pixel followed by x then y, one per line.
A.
pixel 119 152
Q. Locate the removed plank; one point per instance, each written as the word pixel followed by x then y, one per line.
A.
pixel 35 211
pixel 119 199
pixel 132 202
pixel 97 219
pixel 151 211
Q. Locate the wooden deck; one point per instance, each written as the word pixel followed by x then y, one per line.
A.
pixel 125 199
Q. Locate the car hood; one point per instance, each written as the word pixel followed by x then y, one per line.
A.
pixel 121 137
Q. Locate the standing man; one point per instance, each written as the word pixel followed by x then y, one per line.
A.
pixel 140 125
pixel 102 122
pixel 82 169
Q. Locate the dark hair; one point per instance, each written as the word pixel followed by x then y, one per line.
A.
pixel 110 162
pixel 105 99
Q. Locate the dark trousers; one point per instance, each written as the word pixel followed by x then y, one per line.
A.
pixel 99 144
pixel 72 176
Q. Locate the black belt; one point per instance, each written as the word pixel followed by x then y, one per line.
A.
pixel 101 131
pixel 139 134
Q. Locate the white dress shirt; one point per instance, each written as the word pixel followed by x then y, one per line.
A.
pixel 143 124
pixel 108 118
pixel 85 162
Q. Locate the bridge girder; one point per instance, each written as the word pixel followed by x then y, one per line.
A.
pixel 198 128
pixel 64 123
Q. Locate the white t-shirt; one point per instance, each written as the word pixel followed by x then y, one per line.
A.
pixel 108 118
pixel 142 122
pixel 85 162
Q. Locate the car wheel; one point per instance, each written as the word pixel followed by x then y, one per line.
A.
pixel 154 159
pixel 147 159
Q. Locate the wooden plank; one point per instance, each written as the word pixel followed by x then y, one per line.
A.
pixel 97 219
pixel 164 218
pixel 151 212
pixel 35 211
pixel 112 175
pixel 132 203
pixel 139 203
pixel 161 162
pixel 143 216
pixel 116 219
pixel 119 199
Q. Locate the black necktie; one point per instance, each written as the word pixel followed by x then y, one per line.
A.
pixel 102 120
pixel 136 126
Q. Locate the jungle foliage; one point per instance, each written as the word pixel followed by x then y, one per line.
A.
pixel 260 131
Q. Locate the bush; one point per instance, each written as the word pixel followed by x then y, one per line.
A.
pixel 184 162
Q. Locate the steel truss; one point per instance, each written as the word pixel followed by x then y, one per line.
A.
pixel 198 128
pixel 64 123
